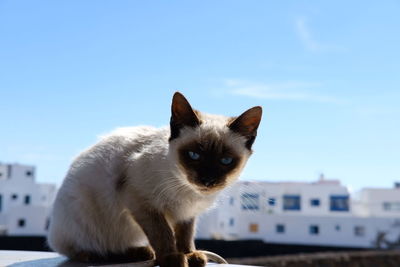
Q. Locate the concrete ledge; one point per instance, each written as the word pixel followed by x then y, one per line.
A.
pixel 50 259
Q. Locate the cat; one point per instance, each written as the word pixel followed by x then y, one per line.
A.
pixel 136 194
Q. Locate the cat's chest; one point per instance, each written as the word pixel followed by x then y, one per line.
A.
pixel 188 207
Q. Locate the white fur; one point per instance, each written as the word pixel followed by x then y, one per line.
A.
pixel 89 214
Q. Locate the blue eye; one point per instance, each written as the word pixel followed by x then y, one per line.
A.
pixel 226 161
pixel 194 155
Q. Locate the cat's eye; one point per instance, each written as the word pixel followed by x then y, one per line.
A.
pixel 226 160
pixel 194 155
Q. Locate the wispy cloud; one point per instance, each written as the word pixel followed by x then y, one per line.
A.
pixel 308 39
pixel 288 90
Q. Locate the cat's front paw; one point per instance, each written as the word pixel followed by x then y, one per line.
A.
pixel 174 260
pixel 196 259
pixel 140 253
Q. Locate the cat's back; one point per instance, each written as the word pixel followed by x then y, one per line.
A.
pixel 98 168
pixel 109 154
pixel 127 140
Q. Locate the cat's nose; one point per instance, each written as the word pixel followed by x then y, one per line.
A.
pixel 208 181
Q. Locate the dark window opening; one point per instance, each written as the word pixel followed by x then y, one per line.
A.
pixel 280 228
pixel 291 202
pixel 272 201
pixel 314 229
pixel 21 223
pixel 27 200
pixel 315 202
pixel 339 203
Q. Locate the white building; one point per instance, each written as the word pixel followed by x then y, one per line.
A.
pixel 320 213
pixel 24 204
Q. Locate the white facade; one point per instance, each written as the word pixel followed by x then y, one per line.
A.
pixel 379 202
pixel 24 204
pixel 320 213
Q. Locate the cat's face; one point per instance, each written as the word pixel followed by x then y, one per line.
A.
pixel 211 150
pixel 209 162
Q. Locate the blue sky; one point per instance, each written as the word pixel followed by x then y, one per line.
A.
pixel 326 74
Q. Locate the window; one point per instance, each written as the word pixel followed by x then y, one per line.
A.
pixel 315 202
pixel 391 206
pixel 271 201
pixel 1 203
pixel 231 222
pixel 314 229
pixel 21 223
pixel 29 173
pixel 337 227
pixel 47 225
pixel 231 201
pixel 27 200
pixel 359 230
pixel 250 201
pixel 280 228
pixel 291 202
pixel 9 171
pixel 253 227
pixel 339 203
pixel 14 196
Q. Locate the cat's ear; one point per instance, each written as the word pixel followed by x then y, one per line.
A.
pixel 247 124
pixel 182 115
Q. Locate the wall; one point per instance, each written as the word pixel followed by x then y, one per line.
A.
pixel 35 217
pixel 337 259
pixel 23 199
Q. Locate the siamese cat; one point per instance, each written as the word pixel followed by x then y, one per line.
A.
pixel 135 195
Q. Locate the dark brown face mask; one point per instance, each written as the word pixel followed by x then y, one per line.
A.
pixel 208 163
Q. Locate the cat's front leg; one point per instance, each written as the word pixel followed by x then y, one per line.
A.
pixel 184 235
pixel 161 238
